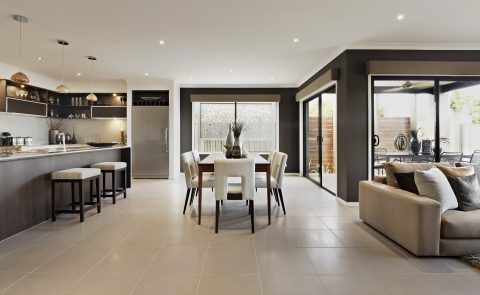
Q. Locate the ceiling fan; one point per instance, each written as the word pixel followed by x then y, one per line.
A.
pixel 406 85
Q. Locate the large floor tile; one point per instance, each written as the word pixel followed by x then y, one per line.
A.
pixel 230 261
pixel 317 238
pixel 28 258
pixel 43 284
pixel 102 284
pixel 358 284
pixel 167 284
pixel 126 260
pixel 283 261
pixel 233 284
pixel 9 278
pixel 76 260
pixel 179 260
pixel 292 284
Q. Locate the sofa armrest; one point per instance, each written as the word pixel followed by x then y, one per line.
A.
pixel 408 219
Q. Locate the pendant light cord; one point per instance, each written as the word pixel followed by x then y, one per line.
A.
pixel 63 47
pixel 92 75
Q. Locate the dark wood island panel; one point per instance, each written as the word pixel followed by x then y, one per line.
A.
pixel 25 188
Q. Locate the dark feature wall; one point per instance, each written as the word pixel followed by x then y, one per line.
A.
pixel 288 118
pixel 352 106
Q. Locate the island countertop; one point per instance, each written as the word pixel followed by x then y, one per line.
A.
pixel 27 152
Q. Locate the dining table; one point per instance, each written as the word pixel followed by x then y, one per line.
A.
pixel 208 165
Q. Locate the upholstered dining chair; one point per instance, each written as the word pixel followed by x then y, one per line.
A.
pixel 226 168
pixel 191 177
pixel 277 174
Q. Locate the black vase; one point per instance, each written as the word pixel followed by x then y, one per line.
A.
pixel 415 145
pixel 228 154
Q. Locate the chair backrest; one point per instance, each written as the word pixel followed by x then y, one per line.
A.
pixel 189 168
pixel 423 158
pixel 278 168
pixel 271 155
pixel 475 157
pixel 196 159
pixel 243 168
pixel 451 157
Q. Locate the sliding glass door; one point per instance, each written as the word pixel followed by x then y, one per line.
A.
pixel 424 119
pixel 320 137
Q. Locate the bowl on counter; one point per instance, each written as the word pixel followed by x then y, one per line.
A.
pixel 102 144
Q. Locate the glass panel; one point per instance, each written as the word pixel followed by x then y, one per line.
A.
pixel 401 107
pixel 211 122
pixel 459 119
pixel 312 138
pixel 329 141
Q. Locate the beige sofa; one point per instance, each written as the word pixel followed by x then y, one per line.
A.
pixel 416 223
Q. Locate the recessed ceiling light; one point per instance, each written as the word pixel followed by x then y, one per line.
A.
pixel 146 74
pixel 79 74
pixel 296 40
pixel 190 78
pixel 39 58
pixel 161 42
pixel 272 78
pixel 230 71
pixel 400 16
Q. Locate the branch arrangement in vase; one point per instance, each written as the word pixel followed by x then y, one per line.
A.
pixel 237 128
pixel 54 124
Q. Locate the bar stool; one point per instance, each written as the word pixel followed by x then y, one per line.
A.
pixel 113 168
pixel 72 176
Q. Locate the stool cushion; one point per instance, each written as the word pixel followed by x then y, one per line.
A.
pixel 76 173
pixel 110 165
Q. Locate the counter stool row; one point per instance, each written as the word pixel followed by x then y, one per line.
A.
pixel 81 175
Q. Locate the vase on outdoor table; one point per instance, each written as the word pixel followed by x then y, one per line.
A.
pixel 229 140
pixel 415 144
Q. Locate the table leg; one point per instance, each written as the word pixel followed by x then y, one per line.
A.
pixel 200 182
pixel 269 205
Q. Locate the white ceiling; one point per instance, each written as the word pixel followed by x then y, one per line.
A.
pixel 204 39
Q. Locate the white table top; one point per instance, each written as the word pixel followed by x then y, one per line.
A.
pixel 216 156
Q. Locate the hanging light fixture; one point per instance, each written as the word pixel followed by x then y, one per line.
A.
pixel 92 96
pixel 62 88
pixel 20 77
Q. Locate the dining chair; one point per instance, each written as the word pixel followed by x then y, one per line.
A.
pixel 475 158
pixel 277 173
pixel 451 157
pixel 380 159
pixel 423 158
pixel 271 158
pixel 196 158
pixel 191 177
pixel 226 168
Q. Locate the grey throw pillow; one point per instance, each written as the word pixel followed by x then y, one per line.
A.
pixel 467 191
pixel 434 184
pixel 475 166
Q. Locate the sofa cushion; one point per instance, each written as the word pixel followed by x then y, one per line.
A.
pixel 391 168
pixel 458 224
pixel 433 184
pixel 456 171
pixel 467 191
pixel 406 181
pixel 476 167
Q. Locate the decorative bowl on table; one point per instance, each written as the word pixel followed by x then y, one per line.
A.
pixel 102 144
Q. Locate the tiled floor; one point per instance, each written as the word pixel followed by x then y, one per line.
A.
pixel 144 245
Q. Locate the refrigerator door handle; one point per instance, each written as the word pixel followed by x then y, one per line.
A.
pixel 166 140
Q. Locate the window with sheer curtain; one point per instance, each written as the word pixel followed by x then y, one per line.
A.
pixel 211 121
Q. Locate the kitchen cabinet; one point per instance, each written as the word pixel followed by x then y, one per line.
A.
pixel 36 101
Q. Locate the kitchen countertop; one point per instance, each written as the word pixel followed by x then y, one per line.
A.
pixel 28 152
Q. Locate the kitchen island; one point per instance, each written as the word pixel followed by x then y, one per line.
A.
pixel 25 188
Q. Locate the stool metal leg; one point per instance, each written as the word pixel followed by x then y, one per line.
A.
pixel 82 203
pixel 91 190
pixel 54 217
pixel 99 201
pixel 73 195
pixel 114 187
pixel 103 183
pixel 124 183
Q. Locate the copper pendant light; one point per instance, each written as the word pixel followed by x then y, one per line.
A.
pixel 62 88
pixel 20 77
pixel 92 96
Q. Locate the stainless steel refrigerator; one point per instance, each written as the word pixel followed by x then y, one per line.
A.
pixel 150 141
